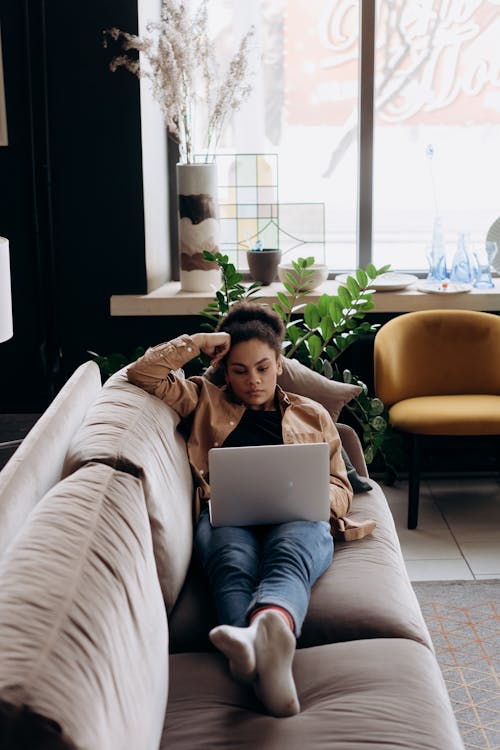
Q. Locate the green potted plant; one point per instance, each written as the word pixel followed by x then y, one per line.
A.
pixel 318 333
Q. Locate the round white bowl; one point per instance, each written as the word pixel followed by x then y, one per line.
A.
pixel 318 276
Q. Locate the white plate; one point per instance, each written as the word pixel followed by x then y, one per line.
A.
pixel 435 287
pixel 386 282
pixel 494 236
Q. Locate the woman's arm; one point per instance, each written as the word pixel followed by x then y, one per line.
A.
pixel 153 372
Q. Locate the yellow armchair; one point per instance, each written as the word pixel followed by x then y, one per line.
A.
pixel 438 372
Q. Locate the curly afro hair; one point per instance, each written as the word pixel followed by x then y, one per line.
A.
pixel 249 320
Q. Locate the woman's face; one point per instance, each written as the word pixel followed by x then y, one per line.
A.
pixel 251 370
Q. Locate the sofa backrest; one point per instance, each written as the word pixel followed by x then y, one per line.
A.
pixel 37 464
pixel 132 431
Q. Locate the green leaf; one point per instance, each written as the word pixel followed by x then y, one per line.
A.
pixel 293 333
pixel 254 286
pixel 215 318
pixel 369 454
pixel 284 300
pixel 365 327
pixel 223 306
pixel 278 309
pixel 362 278
pixel 376 406
pixel 353 286
pixel 315 345
pixel 383 269
pixel 335 310
pixel 311 316
pixel 323 303
pixel 327 370
pixel 364 303
pixel 371 271
pixel 327 327
pixel 344 296
pixel 233 278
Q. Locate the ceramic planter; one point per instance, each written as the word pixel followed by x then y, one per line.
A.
pixel 198 226
pixel 263 265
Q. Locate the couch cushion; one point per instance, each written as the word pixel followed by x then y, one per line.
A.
pixel 365 593
pixel 83 633
pixel 135 432
pixel 37 464
pixel 361 695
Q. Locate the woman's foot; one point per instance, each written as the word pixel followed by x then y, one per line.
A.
pixel 237 644
pixel 262 654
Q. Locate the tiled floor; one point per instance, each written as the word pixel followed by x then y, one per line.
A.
pixel 458 533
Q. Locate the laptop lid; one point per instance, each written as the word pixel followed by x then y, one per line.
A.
pixel 269 484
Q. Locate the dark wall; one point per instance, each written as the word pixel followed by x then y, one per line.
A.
pixel 71 201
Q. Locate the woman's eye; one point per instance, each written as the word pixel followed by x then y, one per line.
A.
pixel 263 369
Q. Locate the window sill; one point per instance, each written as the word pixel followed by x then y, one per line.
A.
pixel 169 300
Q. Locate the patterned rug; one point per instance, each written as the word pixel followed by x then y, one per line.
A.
pixel 464 621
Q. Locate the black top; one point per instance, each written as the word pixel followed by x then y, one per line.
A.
pixel 256 427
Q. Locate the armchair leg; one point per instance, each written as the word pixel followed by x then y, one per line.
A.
pixel 414 483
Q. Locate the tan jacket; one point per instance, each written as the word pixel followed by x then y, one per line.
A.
pixel 215 415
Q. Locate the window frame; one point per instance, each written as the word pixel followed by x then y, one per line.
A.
pixel 364 228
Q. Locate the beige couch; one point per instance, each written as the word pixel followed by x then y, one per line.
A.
pixel 104 619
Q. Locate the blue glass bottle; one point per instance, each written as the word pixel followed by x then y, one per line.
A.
pixel 462 269
pixel 437 255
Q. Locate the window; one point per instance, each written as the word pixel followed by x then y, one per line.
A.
pixel 430 144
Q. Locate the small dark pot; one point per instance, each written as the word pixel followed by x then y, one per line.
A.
pixel 263 265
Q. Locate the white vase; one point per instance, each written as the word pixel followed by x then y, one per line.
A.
pixel 198 226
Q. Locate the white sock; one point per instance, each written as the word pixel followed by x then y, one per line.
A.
pixel 237 644
pixel 262 654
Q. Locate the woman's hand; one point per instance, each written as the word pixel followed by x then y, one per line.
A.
pixel 214 345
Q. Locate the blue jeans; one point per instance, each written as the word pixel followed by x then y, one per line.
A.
pixel 252 566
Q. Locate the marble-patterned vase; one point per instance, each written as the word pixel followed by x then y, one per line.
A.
pixel 198 226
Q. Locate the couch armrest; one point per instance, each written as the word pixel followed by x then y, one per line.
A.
pixel 83 628
pixel 352 445
pixel 37 464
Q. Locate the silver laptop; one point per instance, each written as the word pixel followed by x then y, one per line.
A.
pixel 269 484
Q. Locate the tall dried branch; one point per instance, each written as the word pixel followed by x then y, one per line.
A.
pixel 179 59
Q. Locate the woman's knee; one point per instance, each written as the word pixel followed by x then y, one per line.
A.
pixel 221 549
pixel 309 543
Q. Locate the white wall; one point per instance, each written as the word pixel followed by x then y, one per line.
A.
pixel 154 161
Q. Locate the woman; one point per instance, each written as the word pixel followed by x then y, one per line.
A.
pixel 261 577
